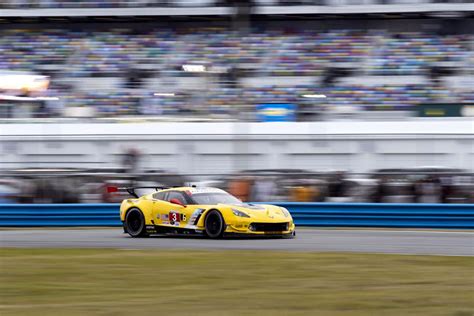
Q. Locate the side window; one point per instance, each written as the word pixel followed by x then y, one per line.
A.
pixel 176 195
pixel 159 195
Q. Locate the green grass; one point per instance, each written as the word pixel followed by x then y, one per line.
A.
pixel 142 282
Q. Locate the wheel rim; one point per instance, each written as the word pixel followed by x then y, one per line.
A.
pixel 134 222
pixel 213 224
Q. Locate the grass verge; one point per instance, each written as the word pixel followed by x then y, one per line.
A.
pixel 143 282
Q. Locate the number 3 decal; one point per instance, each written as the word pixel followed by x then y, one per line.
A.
pixel 174 217
pixel 177 217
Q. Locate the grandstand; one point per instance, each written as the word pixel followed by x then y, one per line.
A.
pixel 203 67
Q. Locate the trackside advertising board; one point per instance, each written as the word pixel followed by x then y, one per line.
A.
pixel 276 112
pixel 446 110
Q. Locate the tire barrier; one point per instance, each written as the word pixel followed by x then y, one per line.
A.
pixel 459 216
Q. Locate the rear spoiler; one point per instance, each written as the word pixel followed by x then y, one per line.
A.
pixel 131 190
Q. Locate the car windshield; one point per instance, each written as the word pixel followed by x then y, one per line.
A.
pixel 215 198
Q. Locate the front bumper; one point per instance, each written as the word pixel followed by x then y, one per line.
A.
pixel 259 236
pixel 261 228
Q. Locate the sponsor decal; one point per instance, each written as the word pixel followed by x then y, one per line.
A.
pixel 254 207
pixel 204 190
pixel 272 233
pixel 165 223
pixel 249 206
pixel 195 216
pixel 164 217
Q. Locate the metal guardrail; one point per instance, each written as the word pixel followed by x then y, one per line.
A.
pixel 305 214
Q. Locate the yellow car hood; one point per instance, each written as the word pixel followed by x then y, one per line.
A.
pixel 261 212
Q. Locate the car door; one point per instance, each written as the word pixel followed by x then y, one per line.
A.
pixel 172 214
pixel 177 214
pixel 161 208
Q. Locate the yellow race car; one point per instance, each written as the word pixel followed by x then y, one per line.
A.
pixel 208 211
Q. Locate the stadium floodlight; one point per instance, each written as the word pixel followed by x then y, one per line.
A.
pixel 47 98
pixel 163 94
pixel 194 68
pixel 19 98
pixel 314 96
pixel 21 81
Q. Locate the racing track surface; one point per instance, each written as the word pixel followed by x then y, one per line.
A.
pixel 428 242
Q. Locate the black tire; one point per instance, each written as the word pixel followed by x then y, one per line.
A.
pixel 135 223
pixel 214 224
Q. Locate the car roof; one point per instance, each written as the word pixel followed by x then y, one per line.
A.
pixel 193 189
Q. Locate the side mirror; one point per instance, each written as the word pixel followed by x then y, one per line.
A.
pixel 178 202
pixel 111 189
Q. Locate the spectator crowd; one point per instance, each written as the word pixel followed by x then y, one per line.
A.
pixel 261 52
pixel 22 4
pixel 289 52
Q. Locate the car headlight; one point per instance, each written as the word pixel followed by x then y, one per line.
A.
pixel 285 212
pixel 239 213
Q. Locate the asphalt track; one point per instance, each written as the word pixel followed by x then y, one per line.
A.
pixel 427 242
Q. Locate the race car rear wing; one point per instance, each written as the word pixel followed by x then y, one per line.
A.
pixel 131 190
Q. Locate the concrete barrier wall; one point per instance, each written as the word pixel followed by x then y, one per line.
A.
pixel 382 215
pixel 218 148
pixel 305 214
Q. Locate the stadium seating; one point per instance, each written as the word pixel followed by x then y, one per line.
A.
pixel 296 52
pixel 410 53
pixel 24 4
pixel 273 51
pixel 292 52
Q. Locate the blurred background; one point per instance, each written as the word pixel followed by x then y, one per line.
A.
pixel 312 100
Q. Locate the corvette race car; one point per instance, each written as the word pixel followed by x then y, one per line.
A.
pixel 209 211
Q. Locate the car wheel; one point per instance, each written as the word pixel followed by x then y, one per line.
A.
pixel 135 223
pixel 214 224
